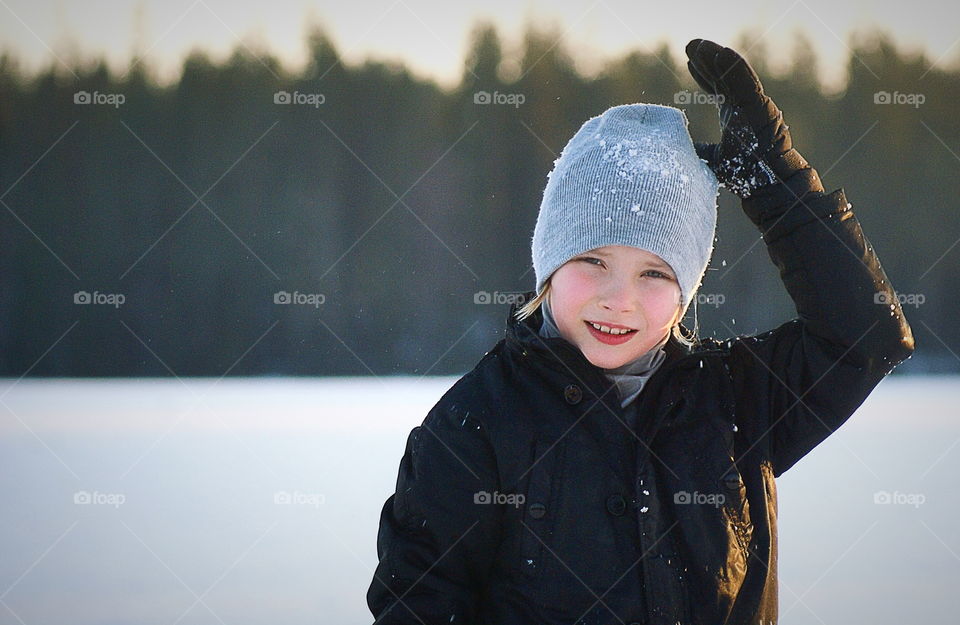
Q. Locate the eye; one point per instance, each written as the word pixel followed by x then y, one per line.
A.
pixel 660 274
pixel 593 260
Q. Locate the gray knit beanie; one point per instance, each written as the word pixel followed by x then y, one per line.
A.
pixel 630 176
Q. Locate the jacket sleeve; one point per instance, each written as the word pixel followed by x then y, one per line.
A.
pixel 438 533
pixel 799 382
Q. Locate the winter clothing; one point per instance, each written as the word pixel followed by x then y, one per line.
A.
pixel 630 377
pixel 630 176
pixel 532 494
pixel 755 148
pixel 672 520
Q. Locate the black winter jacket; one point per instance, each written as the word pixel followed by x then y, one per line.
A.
pixel 525 498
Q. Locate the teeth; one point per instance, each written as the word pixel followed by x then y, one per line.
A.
pixel 608 330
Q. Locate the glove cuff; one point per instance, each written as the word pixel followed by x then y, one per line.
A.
pixel 767 204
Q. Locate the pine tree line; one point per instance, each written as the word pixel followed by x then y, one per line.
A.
pixel 354 220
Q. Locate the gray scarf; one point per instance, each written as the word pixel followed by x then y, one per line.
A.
pixel 629 378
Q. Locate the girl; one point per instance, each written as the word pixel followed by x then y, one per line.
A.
pixel 602 463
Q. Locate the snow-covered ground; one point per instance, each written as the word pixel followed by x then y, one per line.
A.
pixel 255 501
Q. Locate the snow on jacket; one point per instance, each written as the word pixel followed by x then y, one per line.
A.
pixel 525 498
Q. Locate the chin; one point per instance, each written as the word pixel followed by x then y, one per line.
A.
pixel 606 361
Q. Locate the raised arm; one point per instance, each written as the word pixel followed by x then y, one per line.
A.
pixel 798 383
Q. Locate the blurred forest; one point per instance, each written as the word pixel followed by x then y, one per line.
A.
pixel 348 220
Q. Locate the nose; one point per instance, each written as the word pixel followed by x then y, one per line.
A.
pixel 617 296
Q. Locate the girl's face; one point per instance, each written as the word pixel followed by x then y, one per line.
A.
pixel 619 287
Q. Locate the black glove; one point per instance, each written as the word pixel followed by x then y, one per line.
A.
pixel 755 149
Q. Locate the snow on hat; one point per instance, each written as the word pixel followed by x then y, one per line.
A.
pixel 630 176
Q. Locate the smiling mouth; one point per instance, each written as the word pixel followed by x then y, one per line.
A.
pixel 612 331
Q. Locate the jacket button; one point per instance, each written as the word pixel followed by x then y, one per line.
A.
pixel 616 505
pixel 732 480
pixel 537 510
pixel 572 394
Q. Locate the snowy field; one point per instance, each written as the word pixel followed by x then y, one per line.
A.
pixel 256 501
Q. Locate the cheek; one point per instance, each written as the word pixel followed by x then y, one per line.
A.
pixel 574 288
pixel 662 299
pixel 580 286
pixel 567 299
